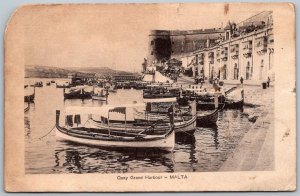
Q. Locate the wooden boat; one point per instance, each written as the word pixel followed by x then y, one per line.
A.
pixel 234 104
pixel 100 94
pixel 181 124
pixel 118 139
pixel 63 85
pixel 77 93
pixel 48 83
pixel 37 84
pixel 112 89
pixel 52 81
pixel 30 98
pixel 210 102
pixel 207 119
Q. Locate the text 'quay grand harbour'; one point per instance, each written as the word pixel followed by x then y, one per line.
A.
pixel 204 101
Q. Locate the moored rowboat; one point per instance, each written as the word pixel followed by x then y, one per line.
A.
pixel 119 139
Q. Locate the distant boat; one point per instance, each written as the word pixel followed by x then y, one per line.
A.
pixel 63 85
pixel 48 83
pixel 37 84
pixel 111 138
pixel 30 98
pixel 100 94
pixel 77 93
pixel 52 81
pixel 112 89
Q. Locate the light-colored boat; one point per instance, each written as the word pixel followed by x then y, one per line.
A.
pixel 107 137
pixel 145 119
pixel 100 94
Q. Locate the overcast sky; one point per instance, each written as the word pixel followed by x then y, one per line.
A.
pixel 113 36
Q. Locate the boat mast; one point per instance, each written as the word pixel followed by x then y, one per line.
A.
pixel 125 119
pixel 108 124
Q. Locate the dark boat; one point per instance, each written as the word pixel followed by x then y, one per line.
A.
pixel 208 102
pixel 117 139
pixel 37 84
pixel 52 81
pixel 48 83
pixel 234 104
pixel 231 103
pixel 30 98
pixel 79 93
pixel 207 119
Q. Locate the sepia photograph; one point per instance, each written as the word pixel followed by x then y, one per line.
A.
pixel 149 91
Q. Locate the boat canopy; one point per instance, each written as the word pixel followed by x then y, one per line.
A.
pixel 102 111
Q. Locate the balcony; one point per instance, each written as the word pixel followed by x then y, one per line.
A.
pixel 234 51
pixel 262 45
pixel 247 52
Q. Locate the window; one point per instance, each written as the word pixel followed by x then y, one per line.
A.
pixel 261 69
pixel 248 71
pixel 225 72
pixel 236 72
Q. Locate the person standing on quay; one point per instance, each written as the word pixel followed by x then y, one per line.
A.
pixel 242 81
pixel 268 82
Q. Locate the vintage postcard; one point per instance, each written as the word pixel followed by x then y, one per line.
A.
pixel 150 97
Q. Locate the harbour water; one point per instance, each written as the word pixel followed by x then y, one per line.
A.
pixel 205 150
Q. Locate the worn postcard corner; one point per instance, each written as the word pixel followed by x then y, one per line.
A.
pixel 150 97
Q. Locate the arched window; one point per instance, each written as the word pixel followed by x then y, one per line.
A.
pixel 248 71
pixel 236 72
pixel 261 69
pixel 225 72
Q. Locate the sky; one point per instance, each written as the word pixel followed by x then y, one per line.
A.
pixel 114 36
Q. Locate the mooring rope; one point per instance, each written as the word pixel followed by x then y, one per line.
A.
pixel 39 138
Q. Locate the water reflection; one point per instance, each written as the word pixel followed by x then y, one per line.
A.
pixel 86 159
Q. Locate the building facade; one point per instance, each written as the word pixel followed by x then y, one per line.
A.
pixel 244 50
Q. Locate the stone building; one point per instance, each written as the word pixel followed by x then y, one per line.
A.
pixel 245 49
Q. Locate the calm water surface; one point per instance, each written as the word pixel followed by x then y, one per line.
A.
pixel 205 150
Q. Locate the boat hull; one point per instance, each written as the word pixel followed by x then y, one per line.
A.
pixel 29 98
pixel 210 119
pixel 164 143
pixel 94 97
pixel 234 104
pixel 186 126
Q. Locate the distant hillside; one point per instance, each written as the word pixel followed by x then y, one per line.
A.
pixel 100 70
pixel 36 71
